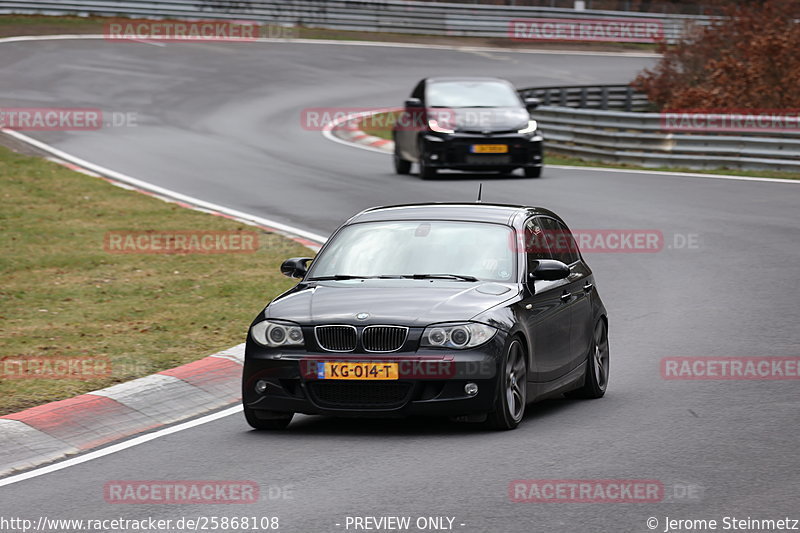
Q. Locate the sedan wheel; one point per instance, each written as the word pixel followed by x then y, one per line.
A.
pixel 533 172
pixel 267 420
pixel 597 365
pixel 401 166
pixel 426 172
pixel 511 401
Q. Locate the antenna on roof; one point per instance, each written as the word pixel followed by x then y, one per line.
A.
pixel 480 190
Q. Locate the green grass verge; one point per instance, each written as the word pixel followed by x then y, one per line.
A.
pixel 62 295
pixel 380 125
pixel 12 25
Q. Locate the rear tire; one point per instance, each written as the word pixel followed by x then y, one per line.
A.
pixel 533 172
pixel 512 390
pixel 597 366
pixel 256 422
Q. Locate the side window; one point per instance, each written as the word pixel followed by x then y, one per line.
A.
pixel 560 241
pixel 572 246
pixel 534 242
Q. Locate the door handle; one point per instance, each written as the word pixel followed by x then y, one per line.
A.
pixel 566 296
pixel 588 286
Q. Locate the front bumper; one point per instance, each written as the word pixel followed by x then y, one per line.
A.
pixel 454 151
pixel 430 382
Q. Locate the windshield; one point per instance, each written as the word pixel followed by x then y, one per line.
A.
pixel 471 94
pixel 405 248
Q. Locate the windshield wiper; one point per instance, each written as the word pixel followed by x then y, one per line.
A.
pixel 338 277
pixel 442 276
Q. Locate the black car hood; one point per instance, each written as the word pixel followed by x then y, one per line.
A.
pixel 487 120
pixel 403 302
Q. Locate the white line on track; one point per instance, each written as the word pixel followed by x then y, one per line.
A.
pixel 256 219
pixel 114 448
pixel 327 131
pixel 685 174
pixel 326 42
pixel 113 174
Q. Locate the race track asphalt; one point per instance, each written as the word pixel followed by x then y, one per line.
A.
pixel 221 122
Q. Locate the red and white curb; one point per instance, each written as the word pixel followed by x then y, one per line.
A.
pixel 347 130
pixel 55 430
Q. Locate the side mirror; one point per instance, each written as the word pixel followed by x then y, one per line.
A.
pixel 549 270
pixel 532 103
pixel 413 102
pixel 295 267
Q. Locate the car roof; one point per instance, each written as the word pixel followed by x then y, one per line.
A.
pixel 436 79
pixel 461 211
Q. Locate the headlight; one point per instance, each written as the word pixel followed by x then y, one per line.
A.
pixel 457 336
pixel 530 128
pixel 275 334
pixel 434 126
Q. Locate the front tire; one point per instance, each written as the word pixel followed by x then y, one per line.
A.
pixel 426 172
pixel 533 172
pixel 281 420
pixel 401 166
pixel 512 391
pixel 597 366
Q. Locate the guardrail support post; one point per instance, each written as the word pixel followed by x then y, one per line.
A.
pixel 629 98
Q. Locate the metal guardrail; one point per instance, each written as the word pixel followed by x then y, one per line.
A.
pixel 590 96
pixel 581 122
pixel 396 16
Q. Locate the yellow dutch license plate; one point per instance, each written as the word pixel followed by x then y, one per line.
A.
pixel 489 148
pixel 360 371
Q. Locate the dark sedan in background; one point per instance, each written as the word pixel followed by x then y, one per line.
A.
pixel 475 124
pixel 464 310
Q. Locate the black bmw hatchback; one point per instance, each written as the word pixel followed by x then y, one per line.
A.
pixel 474 124
pixel 465 310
